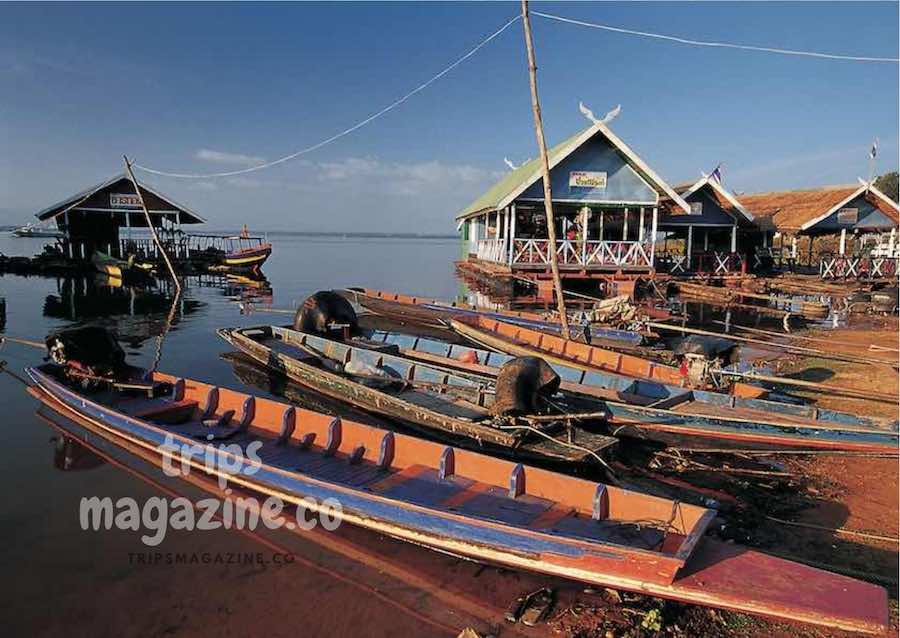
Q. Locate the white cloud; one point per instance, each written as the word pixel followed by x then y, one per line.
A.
pixel 243 182
pixel 232 159
pixel 399 178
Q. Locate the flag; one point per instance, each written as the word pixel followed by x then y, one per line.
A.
pixel 874 152
pixel 717 174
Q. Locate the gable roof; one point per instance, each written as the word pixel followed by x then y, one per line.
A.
pixel 800 210
pixel 872 195
pixel 725 198
pixel 187 215
pixel 517 181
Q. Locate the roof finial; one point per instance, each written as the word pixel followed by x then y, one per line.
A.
pixel 589 114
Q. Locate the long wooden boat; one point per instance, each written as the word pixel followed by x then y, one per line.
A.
pixel 432 311
pixel 425 397
pixel 522 341
pixel 460 502
pixel 651 408
pixel 251 258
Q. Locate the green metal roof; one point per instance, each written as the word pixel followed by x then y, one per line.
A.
pixel 517 178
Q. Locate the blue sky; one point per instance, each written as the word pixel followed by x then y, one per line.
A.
pixel 212 87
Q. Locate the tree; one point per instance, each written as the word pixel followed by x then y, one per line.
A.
pixel 887 184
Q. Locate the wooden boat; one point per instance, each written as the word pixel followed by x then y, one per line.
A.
pixel 459 502
pixel 427 398
pixel 658 409
pixel 120 269
pixel 522 341
pixel 434 312
pixel 250 258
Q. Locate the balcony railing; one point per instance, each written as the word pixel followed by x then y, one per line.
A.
pixel 586 254
pixel 853 267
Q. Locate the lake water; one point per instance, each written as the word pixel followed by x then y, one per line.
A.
pixel 60 579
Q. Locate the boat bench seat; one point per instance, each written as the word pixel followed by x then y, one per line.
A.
pixel 166 412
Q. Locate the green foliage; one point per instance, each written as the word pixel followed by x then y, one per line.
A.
pixel 887 184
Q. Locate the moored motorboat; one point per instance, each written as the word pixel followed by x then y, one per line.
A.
pixel 250 258
pixel 456 501
pixel 430 399
pixel 121 269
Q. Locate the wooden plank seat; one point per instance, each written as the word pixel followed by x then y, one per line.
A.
pixel 166 413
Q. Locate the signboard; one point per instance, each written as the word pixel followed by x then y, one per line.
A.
pixel 124 200
pixel 696 208
pixel 587 179
pixel 848 215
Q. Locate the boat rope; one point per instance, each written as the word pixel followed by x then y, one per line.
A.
pixel 834 530
pixel 345 132
pixel 574 446
pixel 757 452
pixel 725 470
pixel 3 368
pixel 707 43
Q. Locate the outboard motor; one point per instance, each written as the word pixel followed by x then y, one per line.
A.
pixel 520 383
pixel 90 350
pixel 700 355
pixel 326 312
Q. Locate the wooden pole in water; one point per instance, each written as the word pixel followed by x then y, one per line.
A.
pixel 156 241
pixel 545 163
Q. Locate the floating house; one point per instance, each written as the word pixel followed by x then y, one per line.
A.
pixel 606 204
pixel 92 219
pixel 848 231
pixel 716 234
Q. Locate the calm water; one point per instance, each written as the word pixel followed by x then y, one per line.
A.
pixel 60 580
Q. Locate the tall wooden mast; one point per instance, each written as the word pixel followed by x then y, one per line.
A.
pixel 545 163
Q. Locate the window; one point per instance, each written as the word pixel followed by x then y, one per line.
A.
pixel 696 208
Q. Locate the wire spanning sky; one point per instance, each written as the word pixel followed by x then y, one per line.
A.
pixel 206 88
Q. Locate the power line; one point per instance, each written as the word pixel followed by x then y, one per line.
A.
pixel 703 43
pixel 345 132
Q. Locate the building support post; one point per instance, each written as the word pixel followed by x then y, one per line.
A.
pixel 545 162
pixel 641 225
pixel 843 246
pixel 601 224
pixel 705 239
pixel 625 226
pixel 734 238
pixel 512 233
pixel 809 252
pixel 653 239
pixel 690 240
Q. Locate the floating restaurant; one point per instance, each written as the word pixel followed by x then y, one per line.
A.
pixel 606 203
pixel 91 220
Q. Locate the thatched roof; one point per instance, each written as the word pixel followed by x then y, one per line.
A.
pixel 789 210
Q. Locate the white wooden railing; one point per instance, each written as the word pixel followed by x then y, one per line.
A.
pixel 491 250
pixel 528 252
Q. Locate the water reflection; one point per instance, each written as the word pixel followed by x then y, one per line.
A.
pixel 70 456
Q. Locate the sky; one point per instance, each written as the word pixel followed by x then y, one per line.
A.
pixel 211 87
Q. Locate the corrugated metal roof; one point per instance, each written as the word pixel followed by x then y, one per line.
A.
pixel 71 202
pixel 501 193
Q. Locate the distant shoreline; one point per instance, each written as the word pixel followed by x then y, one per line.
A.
pixel 305 233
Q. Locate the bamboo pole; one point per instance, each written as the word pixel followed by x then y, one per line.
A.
pixel 158 243
pixel 545 164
